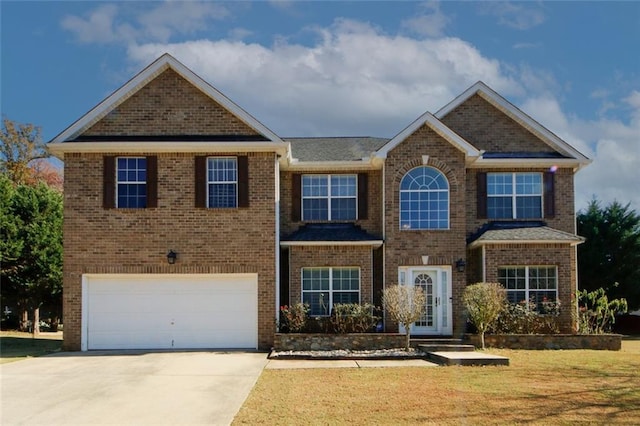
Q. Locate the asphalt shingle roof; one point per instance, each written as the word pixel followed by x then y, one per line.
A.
pixel 522 231
pixel 334 148
pixel 330 232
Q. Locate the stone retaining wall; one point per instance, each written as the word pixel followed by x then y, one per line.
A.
pixel 328 342
pixel 611 342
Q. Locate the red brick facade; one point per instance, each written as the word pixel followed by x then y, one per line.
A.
pixel 244 240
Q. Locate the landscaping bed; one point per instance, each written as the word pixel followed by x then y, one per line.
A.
pixel 611 342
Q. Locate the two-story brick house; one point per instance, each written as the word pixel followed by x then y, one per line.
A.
pixel 188 222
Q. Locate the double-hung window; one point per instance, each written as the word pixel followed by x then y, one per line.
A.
pixel 514 195
pixel 329 197
pixel 131 182
pixel 222 182
pixel 323 287
pixel 533 284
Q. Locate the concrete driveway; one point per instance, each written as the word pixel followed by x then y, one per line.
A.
pixel 130 387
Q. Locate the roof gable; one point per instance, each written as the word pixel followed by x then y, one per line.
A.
pixel 164 67
pixel 495 100
pixel 428 119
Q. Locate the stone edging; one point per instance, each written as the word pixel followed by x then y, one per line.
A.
pixel 611 342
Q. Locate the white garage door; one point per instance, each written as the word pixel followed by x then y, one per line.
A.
pixel 170 311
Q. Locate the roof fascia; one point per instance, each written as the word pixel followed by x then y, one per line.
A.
pixel 364 164
pixel 517 115
pixel 141 79
pixel 479 243
pixel 372 243
pixel 507 163
pixel 437 126
pixel 59 149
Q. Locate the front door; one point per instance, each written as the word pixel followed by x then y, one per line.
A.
pixel 436 285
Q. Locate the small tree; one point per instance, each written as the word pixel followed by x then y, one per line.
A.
pixel 483 303
pixel 596 313
pixel 405 305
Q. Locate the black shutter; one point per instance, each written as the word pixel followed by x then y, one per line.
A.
pixel 296 196
pixel 243 181
pixel 549 195
pixel 109 182
pixel 152 181
pixel 482 195
pixel 201 181
pixel 363 196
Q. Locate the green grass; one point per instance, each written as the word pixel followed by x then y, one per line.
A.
pixel 539 387
pixel 15 346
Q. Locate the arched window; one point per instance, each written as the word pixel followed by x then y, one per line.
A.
pixel 424 199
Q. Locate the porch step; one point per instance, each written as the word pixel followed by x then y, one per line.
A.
pixel 445 347
pixel 466 358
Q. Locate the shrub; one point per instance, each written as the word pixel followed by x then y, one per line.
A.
pixel 596 314
pixel 525 318
pixel 353 318
pixel 483 303
pixel 293 318
pixel 405 305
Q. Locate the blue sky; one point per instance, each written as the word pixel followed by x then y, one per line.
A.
pixel 348 68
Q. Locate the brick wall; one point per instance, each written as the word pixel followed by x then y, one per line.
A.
pixel 561 256
pixel 444 247
pixel 137 240
pixel 169 105
pixel 487 128
pixel 325 256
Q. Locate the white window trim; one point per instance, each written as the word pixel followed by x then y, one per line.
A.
pixel 514 196
pixel 216 182
pixel 118 182
pixel 527 290
pixel 330 290
pixel 329 197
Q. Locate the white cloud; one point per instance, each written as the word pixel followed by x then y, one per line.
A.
pixel 613 145
pixel 354 81
pixel 431 23
pixel 112 23
pixel 519 16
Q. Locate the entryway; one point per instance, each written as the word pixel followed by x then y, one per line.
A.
pixel 435 282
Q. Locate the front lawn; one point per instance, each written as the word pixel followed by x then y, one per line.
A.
pixel 15 345
pixel 553 386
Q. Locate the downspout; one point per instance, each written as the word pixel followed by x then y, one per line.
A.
pixel 277 223
pixel 384 235
pixel 484 263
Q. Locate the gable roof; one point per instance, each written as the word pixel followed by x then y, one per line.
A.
pixel 518 116
pixel 143 78
pixel 437 126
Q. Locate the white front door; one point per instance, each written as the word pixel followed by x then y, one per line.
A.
pixel 435 282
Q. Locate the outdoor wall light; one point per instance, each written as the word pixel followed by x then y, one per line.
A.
pixel 460 265
pixel 171 257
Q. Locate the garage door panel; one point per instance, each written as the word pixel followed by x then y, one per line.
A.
pixel 171 311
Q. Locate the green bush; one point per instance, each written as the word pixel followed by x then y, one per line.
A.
pixel 596 314
pixel 293 318
pixel 353 318
pixel 527 318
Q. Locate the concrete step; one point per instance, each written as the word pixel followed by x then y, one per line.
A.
pixel 466 358
pixel 445 347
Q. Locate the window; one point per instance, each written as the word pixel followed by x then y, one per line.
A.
pixel 329 197
pixel 322 287
pixel 424 199
pixel 131 182
pixel 534 284
pixel 222 182
pixel 514 195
